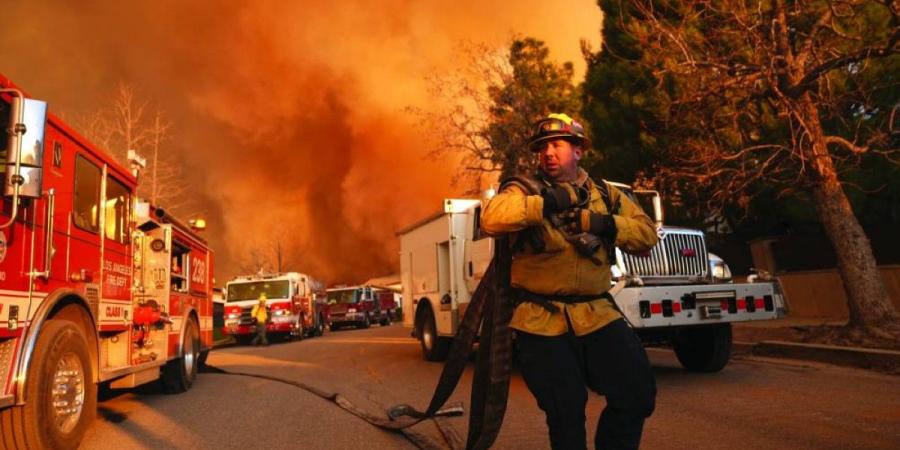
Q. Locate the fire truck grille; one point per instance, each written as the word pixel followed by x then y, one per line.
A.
pixel 7 348
pixel 676 255
pixel 246 318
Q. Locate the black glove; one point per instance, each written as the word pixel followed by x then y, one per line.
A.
pixel 585 221
pixel 557 198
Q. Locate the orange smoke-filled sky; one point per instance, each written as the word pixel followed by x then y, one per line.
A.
pixel 288 115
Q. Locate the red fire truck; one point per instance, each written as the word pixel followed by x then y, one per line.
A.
pixel 295 301
pixel 360 306
pixel 95 286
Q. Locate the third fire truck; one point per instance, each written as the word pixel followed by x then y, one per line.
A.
pixel 360 306
pixel 676 293
pixel 95 286
pixel 295 301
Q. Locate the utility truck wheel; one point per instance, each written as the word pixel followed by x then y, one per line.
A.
pixel 179 374
pixel 60 395
pixel 434 347
pixel 703 348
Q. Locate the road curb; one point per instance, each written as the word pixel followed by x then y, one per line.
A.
pixel 866 358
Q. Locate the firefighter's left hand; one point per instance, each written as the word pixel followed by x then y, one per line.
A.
pixel 580 220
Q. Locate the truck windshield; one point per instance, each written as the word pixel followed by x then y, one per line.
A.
pixel 345 297
pixel 251 290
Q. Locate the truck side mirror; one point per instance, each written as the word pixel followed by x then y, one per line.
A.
pixel 25 147
pixel 657 205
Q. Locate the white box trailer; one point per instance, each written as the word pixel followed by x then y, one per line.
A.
pixel 677 293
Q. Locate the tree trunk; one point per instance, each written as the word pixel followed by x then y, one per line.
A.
pixel 867 298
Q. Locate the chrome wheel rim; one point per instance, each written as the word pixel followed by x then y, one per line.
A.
pixel 427 337
pixel 67 400
pixel 189 354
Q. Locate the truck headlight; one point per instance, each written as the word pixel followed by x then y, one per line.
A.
pixel 233 315
pixel 351 311
pixel 718 269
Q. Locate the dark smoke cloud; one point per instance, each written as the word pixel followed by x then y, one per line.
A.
pixel 288 114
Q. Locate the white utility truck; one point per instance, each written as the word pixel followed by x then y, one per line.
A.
pixel 677 293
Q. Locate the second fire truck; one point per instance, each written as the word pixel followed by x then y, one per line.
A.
pixel 295 301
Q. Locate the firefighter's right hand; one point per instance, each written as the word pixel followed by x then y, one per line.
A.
pixel 558 198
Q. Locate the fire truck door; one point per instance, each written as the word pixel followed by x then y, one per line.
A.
pixel 157 264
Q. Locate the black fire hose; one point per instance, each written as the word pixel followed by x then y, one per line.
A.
pixel 491 303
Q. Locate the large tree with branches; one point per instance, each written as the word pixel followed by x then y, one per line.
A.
pixel 777 95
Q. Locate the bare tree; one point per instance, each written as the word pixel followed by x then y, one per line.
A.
pixel 784 94
pixel 268 254
pixel 491 104
pixel 124 125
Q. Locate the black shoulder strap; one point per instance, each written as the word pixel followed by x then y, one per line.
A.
pixel 532 185
pixel 611 208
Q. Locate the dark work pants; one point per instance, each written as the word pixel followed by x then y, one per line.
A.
pixel 612 362
pixel 260 335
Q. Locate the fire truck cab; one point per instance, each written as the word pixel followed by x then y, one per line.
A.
pixel 95 286
pixel 360 306
pixel 295 302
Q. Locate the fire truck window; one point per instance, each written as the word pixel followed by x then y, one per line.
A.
pixel 87 195
pixel 250 290
pixel 344 297
pixel 116 210
pixel 179 272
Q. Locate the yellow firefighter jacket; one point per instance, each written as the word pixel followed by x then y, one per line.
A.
pixel 259 313
pixel 560 269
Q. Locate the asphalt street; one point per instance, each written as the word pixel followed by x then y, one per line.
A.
pixel 754 403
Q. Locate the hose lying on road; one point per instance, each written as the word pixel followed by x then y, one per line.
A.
pixel 420 440
pixel 491 303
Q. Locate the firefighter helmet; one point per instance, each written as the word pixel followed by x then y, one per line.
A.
pixel 557 126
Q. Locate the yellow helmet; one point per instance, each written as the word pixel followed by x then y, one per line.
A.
pixel 557 125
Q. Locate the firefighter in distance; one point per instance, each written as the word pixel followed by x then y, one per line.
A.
pixel 570 336
pixel 261 315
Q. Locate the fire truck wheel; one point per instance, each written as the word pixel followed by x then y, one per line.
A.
pixel 179 374
pixel 434 347
pixel 244 339
pixel 366 323
pixel 61 398
pixel 385 319
pixel 703 348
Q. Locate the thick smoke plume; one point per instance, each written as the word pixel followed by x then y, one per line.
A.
pixel 288 115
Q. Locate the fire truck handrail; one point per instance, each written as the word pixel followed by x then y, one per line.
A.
pixel 18 168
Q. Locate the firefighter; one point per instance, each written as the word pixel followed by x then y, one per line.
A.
pixel 563 230
pixel 262 316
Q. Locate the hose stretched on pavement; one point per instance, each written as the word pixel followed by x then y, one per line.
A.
pixel 491 304
pixel 418 439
